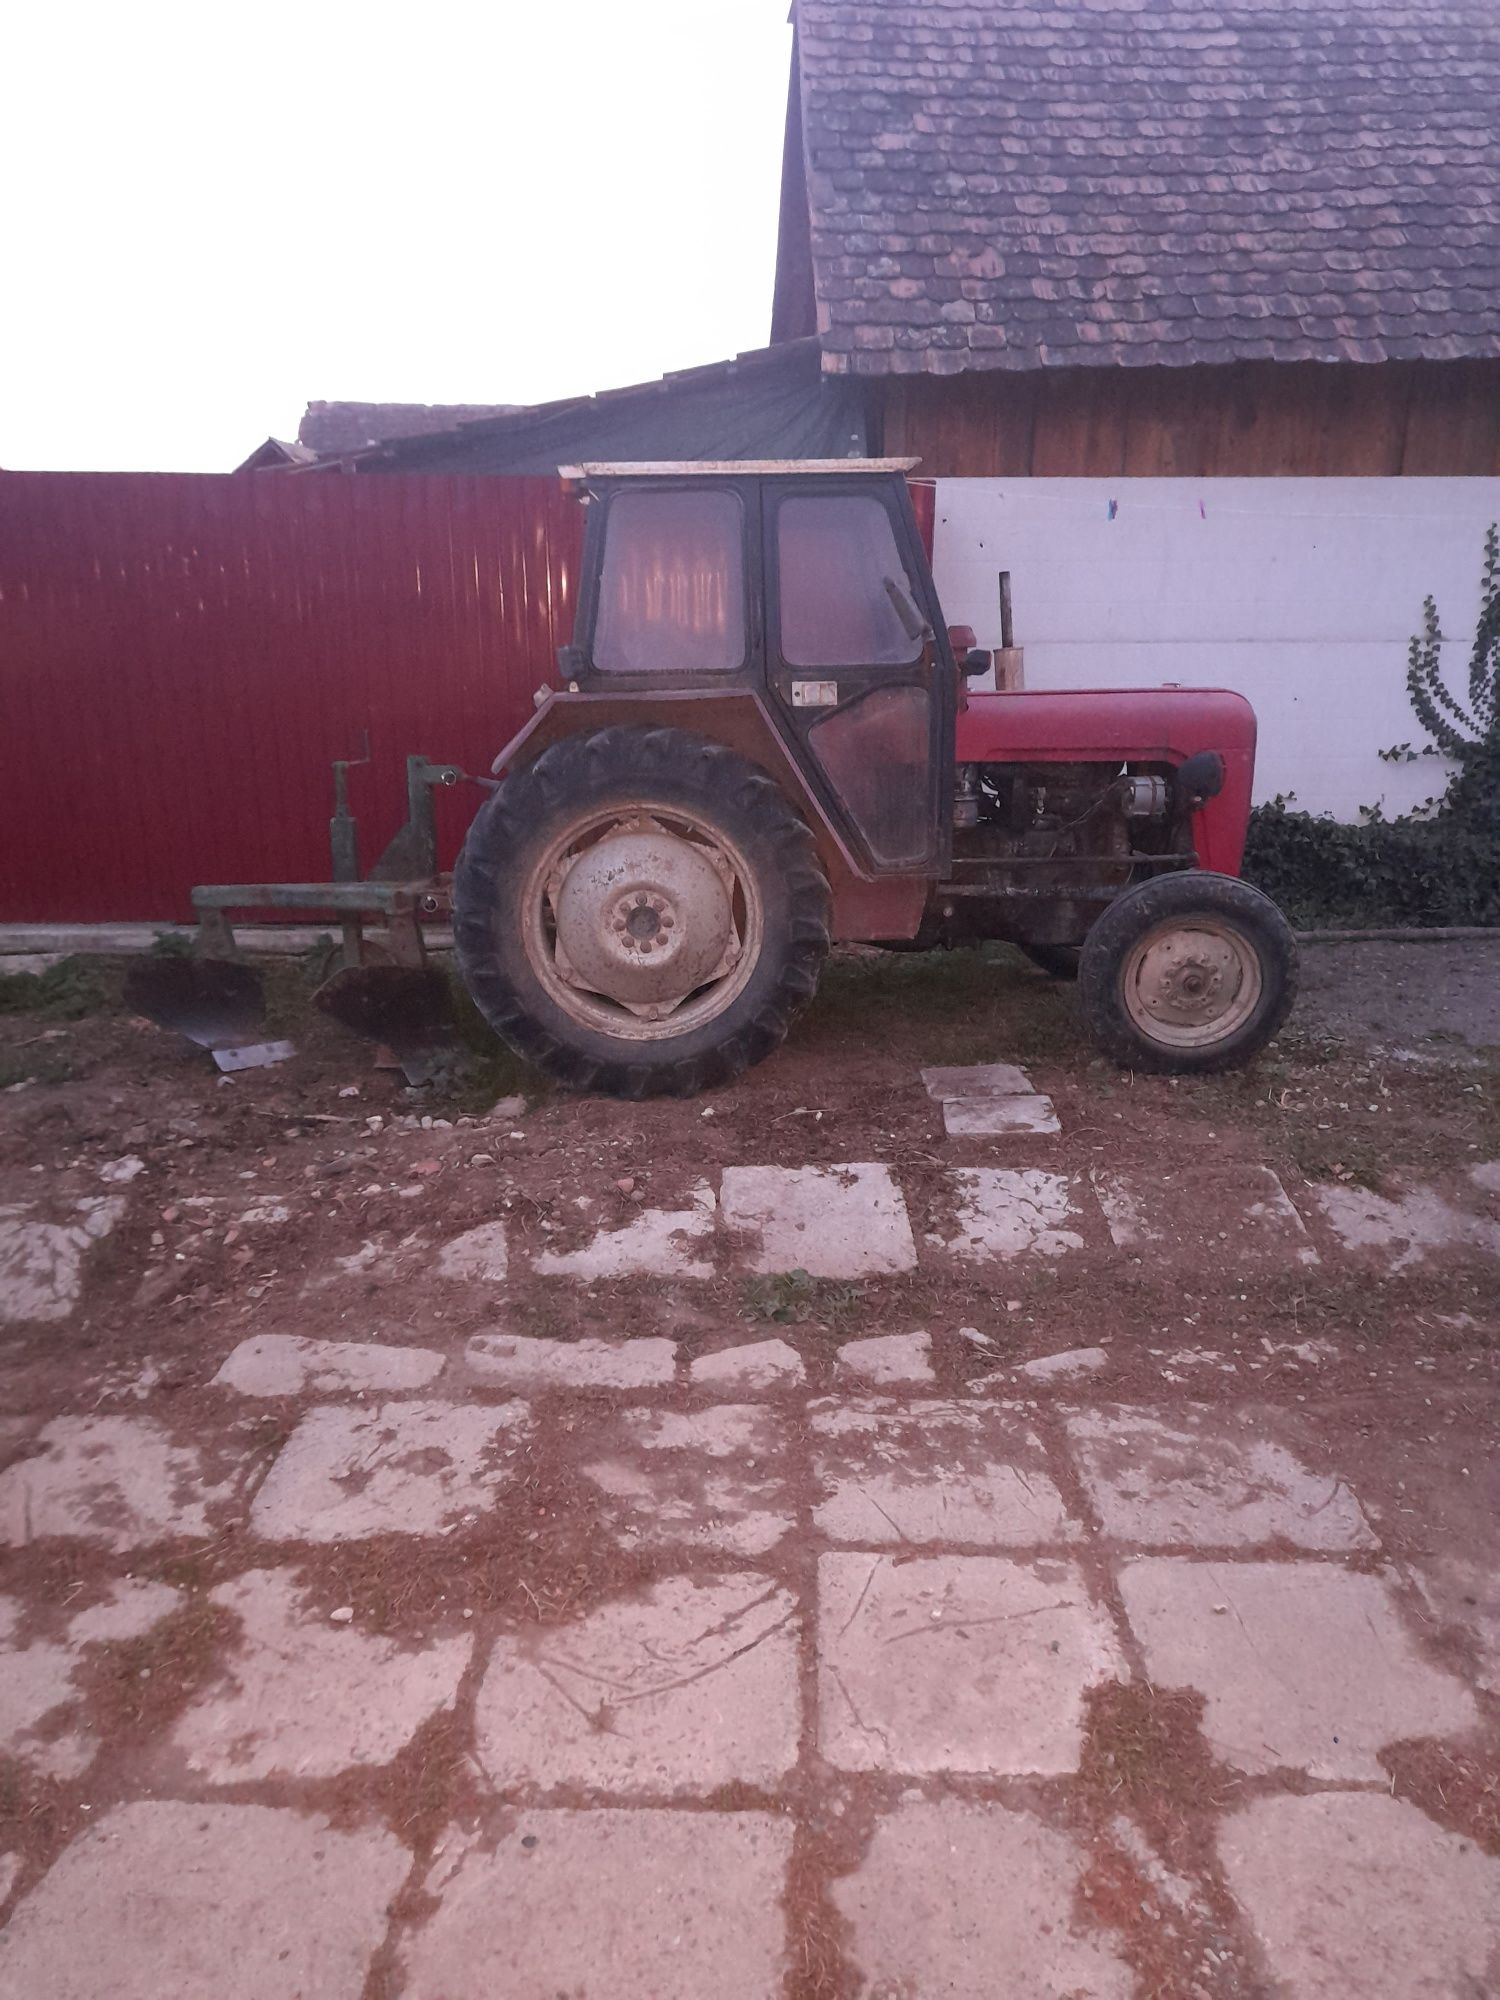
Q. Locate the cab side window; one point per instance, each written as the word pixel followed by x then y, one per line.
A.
pixel 846 599
pixel 672 586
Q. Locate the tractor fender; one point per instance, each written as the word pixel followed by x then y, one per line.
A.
pixel 1160 725
pixel 864 907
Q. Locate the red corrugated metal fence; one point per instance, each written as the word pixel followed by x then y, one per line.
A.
pixel 181 657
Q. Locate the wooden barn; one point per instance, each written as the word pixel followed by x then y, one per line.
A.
pixel 1198 238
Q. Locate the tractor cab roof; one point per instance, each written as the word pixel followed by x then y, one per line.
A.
pixel 734 468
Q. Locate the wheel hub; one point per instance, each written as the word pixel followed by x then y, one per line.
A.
pixel 1192 982
pixel 644 918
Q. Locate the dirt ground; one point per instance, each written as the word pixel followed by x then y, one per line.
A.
pixel 1314 1270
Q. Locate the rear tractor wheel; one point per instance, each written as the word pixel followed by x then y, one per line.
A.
pixel 640 912
pixel 1188 972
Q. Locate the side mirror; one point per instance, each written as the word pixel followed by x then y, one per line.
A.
pixel 962 638
pixel 977 660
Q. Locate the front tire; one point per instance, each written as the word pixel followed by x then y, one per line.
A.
pixel 640 912
pixel 1190 972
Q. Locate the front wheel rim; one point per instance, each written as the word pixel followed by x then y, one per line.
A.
pixel 642 922
pixel 1192 982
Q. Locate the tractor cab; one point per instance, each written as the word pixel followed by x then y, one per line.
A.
pixel 803 586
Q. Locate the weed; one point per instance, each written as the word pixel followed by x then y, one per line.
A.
pixel 791 1298
pixel 66 991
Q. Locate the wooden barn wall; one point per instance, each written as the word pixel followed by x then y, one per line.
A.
pixel 182 656
pixel 1252 421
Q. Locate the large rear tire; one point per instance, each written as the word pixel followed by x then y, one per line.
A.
pixel 640 912
pixel 1189 972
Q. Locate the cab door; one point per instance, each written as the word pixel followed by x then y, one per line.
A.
pixel 861 682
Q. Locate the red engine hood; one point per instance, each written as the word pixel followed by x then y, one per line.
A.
pixel 1126 725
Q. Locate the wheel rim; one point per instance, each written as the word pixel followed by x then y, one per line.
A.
pixel 642 922
pixel 1191 982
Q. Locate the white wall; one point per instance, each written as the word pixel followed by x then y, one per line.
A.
pixel 1301 593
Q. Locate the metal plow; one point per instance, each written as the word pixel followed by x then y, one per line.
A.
pixel 216 1003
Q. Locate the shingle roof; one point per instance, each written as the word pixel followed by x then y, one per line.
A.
pixel 996 184
pixel 330 429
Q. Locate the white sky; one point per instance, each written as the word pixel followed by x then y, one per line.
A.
pixel 216 212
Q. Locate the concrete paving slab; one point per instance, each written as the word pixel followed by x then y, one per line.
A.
pixel 1360 1894
pixel 832 1222
pixel 1463 1594
pixel 959 1473
pixel 42 1722
pixel 889 1361
pixel 617 1906
pixel 478 1257
pixel 687 1687
pixel 657 1243
pixel 995 1117
pixel 1303 1665
pixel 956 1663
pixel 1001 1212
pixel 755 1364
pixel 972 1080
pixel 302 1698
pixel 950 1893
pixel 1065 1367
pixel 416 1468
pixel 712 1479
pixel 119 1481
pixel 41 1260
pixel 1250 1213
pixel 1205 1480
pixel 163 1901
pixel 1406 1229
pixel 515 1361
pixel 281 1364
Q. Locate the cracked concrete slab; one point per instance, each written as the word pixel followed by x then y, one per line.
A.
pixel 713 1479
pixel 957 1663
pixel 181 1901
pixel 478 1257
pixel 280 1364
pixel 1001 1212
pixel 960 1473
pixel 302 1698
pixel 973 1080
pixel 118 1481
pixel 657 1243
pixel 618 1905
pixel 41 1261
pixel 1405 1229
pixel 890 1360
pixel 1168 1209
pixel 687 1687
pixel 755 1364
pixel 1464 1594
pixel 832 1222
pixel 1204 1480
pixel 949 1893
pixel 1362 1894
pixel 1302 1665
pixel 42 1721
pixel 994 1117
pixel 418 1468
pixel 516 1361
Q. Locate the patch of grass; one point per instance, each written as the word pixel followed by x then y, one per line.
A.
pixel 490 1069
pixel 973 1005
pixel 792 1298
pixel 1339 1156
pixel 67 991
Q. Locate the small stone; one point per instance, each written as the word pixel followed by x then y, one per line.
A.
pixel 888 1360
pixel 1074 1361
pixel 506 1108
pixel 122 1170
pixel 515 1361
pixel 757 1364
pixel 272 1364
pixel 343 1616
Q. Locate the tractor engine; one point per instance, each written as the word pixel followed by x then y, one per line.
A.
pixel 1039 849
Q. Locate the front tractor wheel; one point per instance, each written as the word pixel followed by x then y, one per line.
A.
pixel 640 912
pixel 1188 972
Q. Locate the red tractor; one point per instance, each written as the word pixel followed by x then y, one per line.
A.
pixel 763 743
